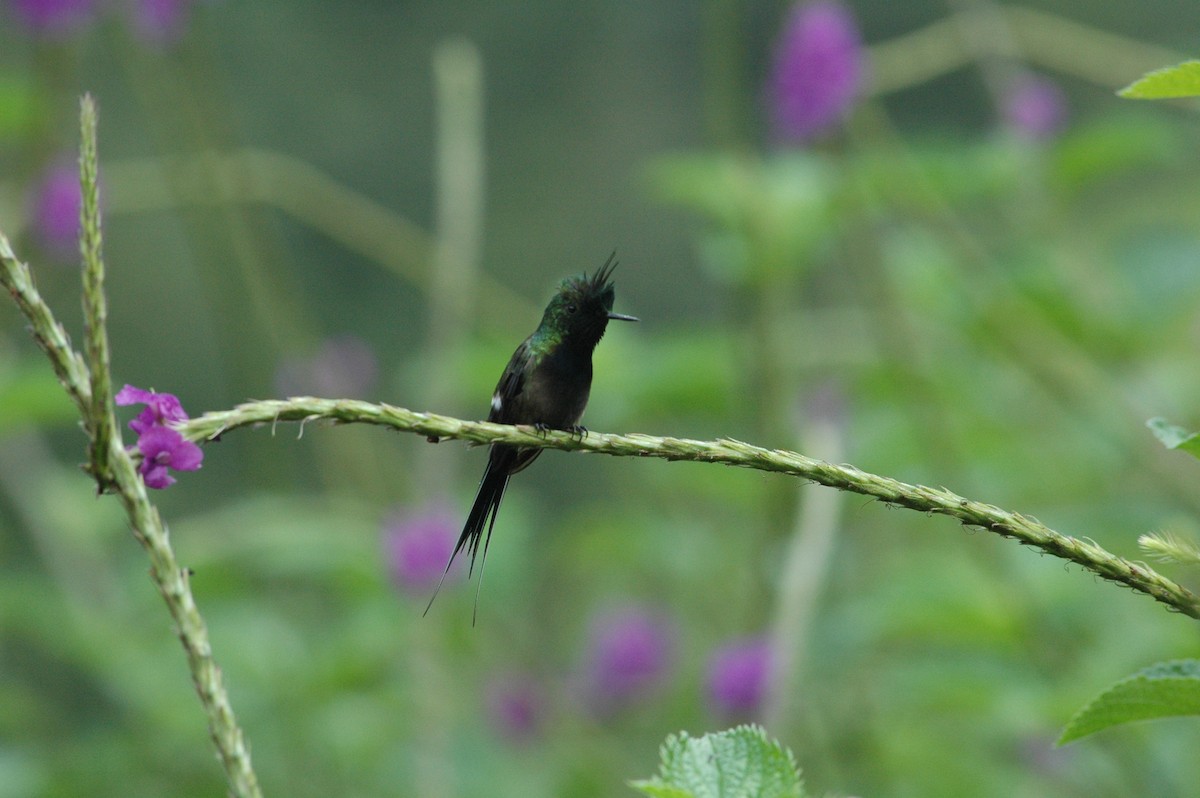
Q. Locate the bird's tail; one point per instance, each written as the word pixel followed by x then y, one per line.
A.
pixel 483 512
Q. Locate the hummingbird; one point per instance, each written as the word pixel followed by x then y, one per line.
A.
pixel 545 385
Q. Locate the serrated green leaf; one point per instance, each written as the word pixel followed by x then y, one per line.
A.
pixel 1181 80
pixel 656 789
pixel 1166 689
pixel 1175 437
pixel 737 763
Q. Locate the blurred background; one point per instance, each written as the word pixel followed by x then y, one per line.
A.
pixel 924 237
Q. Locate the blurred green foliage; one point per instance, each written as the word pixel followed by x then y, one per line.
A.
pixel 993 313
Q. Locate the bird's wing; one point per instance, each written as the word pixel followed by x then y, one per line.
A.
pixel 512 383
pixel 507 402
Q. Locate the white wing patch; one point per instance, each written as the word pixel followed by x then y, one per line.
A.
pixel 497 403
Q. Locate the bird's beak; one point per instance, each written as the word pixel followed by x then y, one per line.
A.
pixel 622 317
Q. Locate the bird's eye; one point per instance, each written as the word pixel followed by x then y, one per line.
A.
pixel 571 308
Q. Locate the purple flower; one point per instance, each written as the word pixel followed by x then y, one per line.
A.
pixel 342 366
pixel 628 656
pixel 161 408
pixel 56 203
pixel 53 17
pixel 161 446
pixel 419 545
pixel 737 677
pixel 515 706
pixel 1035 108
pixel 817 71
pixel 160 21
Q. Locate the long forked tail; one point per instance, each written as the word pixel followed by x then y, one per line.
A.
pixel 483 512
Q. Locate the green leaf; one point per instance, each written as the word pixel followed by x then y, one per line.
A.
pixel 1181 80
pixel 738 763
pixel 1114 146
pixel 20 105
pixel 1175 437
pixel 30 396
pixel 768 214
pixel 656 789
pixel 1166 689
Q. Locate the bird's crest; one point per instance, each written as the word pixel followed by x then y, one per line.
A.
pixel 598 286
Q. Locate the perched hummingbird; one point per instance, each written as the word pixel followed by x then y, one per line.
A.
pixel 546 385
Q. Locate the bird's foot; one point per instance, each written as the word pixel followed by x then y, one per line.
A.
pixel 578 430
pixel 541 428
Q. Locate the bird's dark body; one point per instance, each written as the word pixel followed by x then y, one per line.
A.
pixel 534 403
pixel 556 390
pixel 546 384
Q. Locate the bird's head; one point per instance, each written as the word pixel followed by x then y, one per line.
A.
pixel 582 307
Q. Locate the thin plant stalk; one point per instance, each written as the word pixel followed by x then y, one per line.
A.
pixel 893 492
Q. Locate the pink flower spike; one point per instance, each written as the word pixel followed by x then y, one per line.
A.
pixel 737 677
pixel 418 546
pixel 54 18
pixel 817 71
pixel 55 208
pixel 160 21
pixel 1036 108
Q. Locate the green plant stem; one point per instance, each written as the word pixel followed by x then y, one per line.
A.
pixel 305 194
pixel 68 366
pixel 100 419
pixel 1045 40
pixel 457 254
pixel 806 562
pixel 172 583
pixel 1022 528
pixel 147 526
